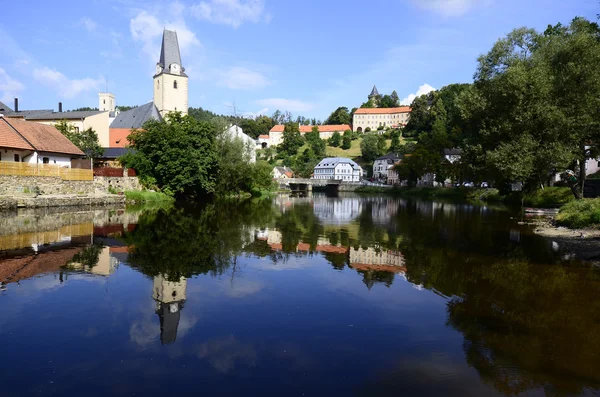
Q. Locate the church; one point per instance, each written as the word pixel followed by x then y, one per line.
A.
pixel 170 95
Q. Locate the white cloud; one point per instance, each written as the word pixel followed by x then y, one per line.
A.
pixel 88 24
pixel 449 8
pixel 66 88
pixel 231 12
pixel 291 105
pixel 239 78
pixel 261 112
pixel 9 87
pixel 147 29
pixel 424 89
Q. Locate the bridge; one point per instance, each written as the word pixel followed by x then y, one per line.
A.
pixel 306 184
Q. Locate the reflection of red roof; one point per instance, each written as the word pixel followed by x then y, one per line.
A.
pixel 16 269
pixel 381 268
pixel 118 250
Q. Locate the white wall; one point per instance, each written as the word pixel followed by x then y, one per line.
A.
pixel 9 155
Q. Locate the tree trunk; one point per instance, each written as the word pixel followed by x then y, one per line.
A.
pixel 582 172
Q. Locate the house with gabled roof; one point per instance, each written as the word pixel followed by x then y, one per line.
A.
pixel 34 143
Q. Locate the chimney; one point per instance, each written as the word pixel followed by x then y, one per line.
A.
pixel 16 104
pixel 60 107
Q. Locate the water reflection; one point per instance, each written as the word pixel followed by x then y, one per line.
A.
pixel 423 298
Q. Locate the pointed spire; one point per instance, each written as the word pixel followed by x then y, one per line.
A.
pixel 169 50
pixel 374 92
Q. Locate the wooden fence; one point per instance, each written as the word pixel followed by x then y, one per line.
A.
pixel 26 169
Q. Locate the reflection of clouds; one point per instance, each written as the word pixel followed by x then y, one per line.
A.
pixel 144 332
pixel 237 288
pixel 224 353
pixel 241 287
pixel 186 323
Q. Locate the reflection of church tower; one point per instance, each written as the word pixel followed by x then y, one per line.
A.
pixel 169 297
pixel 170 80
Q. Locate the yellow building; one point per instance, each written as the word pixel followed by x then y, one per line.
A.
pixel 374 117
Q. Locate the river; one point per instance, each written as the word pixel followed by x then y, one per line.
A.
pixel 313 296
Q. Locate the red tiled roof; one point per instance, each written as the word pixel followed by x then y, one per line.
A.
pixel 43 138
pixel 322 128
pixel 263 137
pixel 10 139
pixel 401 109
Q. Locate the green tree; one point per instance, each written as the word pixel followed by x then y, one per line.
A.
pixel 395 146
pixel 415 166
pixel 347 140
pixel 533 109
pixel 387 101
pixel 395 98
pixel 369 148
pixel 381 145
pixel 261 177
pixel 335 140
pixel 176 155
pixel 315 142
pixel 87 140
pixel 339 116
pixel 292 139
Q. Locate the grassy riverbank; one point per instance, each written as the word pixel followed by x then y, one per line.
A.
pixel 549 197
pixel 148 197
pixel 580 213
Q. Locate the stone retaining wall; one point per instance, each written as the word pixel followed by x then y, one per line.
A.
pixel 14 202
pixel 27 185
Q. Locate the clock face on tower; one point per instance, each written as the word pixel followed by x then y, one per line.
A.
pixel 158 69
pixel 174 68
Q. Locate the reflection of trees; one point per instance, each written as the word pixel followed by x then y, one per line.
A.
pixel 183 243
pixel 528 321
pixel 529 326
pixel 88 257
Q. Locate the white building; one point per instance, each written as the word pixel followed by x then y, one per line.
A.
pixel 382 165
pixel 282 173
pixel 338 168
pixel 235 132
pixel 452 155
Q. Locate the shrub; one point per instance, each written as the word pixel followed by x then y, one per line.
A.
pixel 580 213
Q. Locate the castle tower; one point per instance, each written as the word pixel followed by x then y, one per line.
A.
pixel 106 102
pixel 374 96
pixel 170 80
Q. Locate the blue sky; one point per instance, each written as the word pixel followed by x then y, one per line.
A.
pixel 308 57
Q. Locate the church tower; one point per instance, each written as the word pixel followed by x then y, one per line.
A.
pixel 170 80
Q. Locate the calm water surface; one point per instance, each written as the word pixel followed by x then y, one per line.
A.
pixel 299 296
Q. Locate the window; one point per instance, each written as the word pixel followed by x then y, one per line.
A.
pixel 104 101
pixel 17 159
pixel 46 160
pixel 76 129
pixel 175 84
